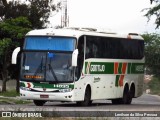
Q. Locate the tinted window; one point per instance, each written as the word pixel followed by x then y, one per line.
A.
pixel 114 48
pixel 49 43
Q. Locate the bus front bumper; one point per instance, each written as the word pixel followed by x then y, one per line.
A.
pixel 60 96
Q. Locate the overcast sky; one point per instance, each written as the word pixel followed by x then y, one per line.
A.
pixel 118 15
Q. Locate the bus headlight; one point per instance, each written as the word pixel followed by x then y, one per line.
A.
pixel 65 90
pixel 25 89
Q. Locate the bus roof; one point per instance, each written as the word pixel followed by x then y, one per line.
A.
pixel 77 32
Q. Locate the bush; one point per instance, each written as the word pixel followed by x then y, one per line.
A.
pixel 154 85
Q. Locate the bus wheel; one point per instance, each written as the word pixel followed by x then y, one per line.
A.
pixel 129 99
pixel 126 96
pixel 116 101
pixel 87 98
pixel 39 102
pixel 131 94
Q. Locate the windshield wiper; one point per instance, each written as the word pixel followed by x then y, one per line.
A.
pixel 40 67
pixel 52 71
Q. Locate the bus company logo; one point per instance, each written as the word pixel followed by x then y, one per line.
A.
pixel 97 68
pixel 90 68
pixel 44 89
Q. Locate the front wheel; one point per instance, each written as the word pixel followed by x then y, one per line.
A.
pixel 87 98
pixel 39 102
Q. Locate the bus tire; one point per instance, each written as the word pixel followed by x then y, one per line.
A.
pixel 125 98
pixel 131 94
pixel 129 100
pixel 116 101
pixel 87 98
pixel 39 102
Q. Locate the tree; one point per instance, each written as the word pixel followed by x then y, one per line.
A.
pixel 154 11
pixel 152 53
pixel 4 47
pixel 12 32
pixel 37 11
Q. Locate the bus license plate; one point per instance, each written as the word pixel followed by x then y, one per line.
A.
pixel 44 96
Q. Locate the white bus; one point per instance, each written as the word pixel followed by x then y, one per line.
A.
pixel 80 65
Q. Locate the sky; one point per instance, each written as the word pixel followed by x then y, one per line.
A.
pixel 121 16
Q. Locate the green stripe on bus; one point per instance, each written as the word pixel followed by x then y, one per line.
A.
pixel 120 68
pixel 22 84
pixel 129 68
pixel 108 68
pixel 117 80
pixel 50 86
pixel 137 68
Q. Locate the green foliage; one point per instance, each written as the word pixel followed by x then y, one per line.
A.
pixel 154 85
pixel 152 53
pixel 5 43
pixel 12 32
pixel 14 28
pixel 154 11
pixel 37 11
pixel 9 100
pixel 11 93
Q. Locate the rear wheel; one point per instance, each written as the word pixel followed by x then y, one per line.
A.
pixel 87 98
pixel 116 101
pixel 126 99
pixel 131 94
pixel 126 95
pixel 39 102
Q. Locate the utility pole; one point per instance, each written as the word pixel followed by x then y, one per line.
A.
pixel 64 16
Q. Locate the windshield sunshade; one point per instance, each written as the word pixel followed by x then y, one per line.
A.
pixel 49 43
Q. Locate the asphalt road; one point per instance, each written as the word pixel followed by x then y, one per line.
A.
pixel 144 103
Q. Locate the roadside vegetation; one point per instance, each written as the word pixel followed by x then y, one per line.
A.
pixel 10 93
pixel 154 86
pixel 11 97
pixel 13 101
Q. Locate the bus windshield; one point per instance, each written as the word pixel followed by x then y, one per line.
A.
pixel 47 59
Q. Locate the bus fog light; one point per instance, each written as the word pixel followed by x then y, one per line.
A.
pixel 70 96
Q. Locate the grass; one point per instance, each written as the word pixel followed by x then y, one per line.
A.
pixel 8 100
pixel 154 86
pixel 13 101
pixel 10 93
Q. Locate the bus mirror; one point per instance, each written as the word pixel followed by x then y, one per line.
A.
pixel 74 58
pixel 14 55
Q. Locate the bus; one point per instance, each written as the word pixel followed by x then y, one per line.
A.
pixel 80 65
